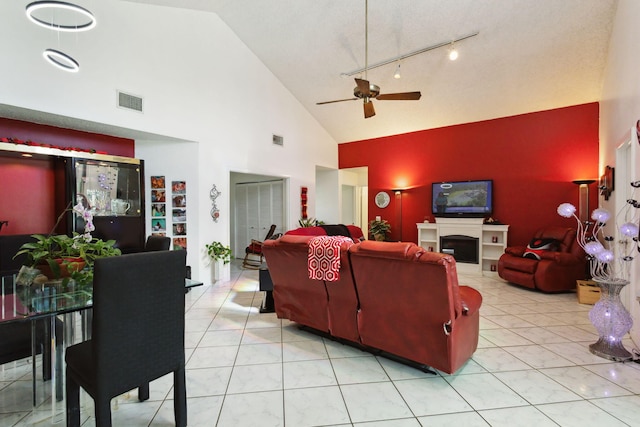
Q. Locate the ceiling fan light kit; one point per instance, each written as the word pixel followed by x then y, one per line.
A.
pixel 367 91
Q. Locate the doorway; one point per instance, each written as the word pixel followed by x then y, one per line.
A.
pixel 256 202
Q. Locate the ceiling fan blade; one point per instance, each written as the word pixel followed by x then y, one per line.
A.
pixel 403 96
pixel 364 87
pixel 369 111
pixel 337 100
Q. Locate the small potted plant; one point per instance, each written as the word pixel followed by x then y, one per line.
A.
pixel 379 229
pixel 219 255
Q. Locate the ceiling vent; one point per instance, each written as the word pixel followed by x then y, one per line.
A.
pixel 278 140
pixel 130 102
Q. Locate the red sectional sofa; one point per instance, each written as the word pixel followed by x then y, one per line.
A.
pixel 391 297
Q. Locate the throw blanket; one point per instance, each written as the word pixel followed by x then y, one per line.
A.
pixel 336 230
pixel 324 257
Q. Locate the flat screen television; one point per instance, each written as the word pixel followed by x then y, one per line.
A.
pixel 471 199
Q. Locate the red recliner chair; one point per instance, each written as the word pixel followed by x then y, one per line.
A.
pixel 552 265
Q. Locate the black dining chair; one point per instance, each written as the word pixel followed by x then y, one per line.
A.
pixel 137 334
pixel 157 243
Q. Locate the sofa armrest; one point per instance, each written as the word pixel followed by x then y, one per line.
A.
pixel 515 250
pixel 561 258
pixel 471 300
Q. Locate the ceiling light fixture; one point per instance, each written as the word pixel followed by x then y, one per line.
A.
pixel 55 6
pixel 61 60
pixel 397 75
pixel 408 55
pixel 453 52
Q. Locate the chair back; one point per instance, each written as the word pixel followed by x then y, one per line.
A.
pixel 138 318
pixel 157 243
pixel 272 230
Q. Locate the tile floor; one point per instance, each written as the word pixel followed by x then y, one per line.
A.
pixel 244 368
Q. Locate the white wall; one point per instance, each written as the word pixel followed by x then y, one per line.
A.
pixel 327 196
pixel 619 111
pixel 199 82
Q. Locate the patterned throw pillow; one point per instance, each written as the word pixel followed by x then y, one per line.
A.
pixel 537 246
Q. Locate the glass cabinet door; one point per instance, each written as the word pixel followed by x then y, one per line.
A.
pixel 108 188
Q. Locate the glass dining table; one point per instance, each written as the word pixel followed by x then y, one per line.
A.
pixel 49 302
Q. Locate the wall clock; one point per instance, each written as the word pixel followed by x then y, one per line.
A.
pixel 382 199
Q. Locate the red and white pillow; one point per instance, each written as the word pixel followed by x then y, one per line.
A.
pixel 539 245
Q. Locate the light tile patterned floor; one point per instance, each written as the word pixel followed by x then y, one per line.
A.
pixel 532 368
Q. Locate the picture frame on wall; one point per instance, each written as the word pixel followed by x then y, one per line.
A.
pixel 180 229
pixel 159 224
pixel 607 182
pixel 157 182
pixel 178 187
pixel 158 210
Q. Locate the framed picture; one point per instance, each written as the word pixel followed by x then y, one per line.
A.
pixel 158 209
pixel 178 187
pixel 179 215
pixel 158 196
pixel 159 224
pixel 179 201
pixel 157 182
pixel 179 243
pixel 607 184
pixel 180 229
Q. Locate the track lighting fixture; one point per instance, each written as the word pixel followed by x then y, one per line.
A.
pixel 397 75
pixel 453 52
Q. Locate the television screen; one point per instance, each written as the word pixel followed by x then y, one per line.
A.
pixel 464 198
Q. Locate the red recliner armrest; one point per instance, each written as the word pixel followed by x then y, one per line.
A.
pixel 515 250
pixel 471 300
pixel 561 258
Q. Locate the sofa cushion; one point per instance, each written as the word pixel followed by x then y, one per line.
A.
pixel 539 245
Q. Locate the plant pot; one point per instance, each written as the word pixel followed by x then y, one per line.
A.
pixel 216 270
pixel 379 237
pixel 67 266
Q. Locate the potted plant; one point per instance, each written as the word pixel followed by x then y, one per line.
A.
pixel 62 256
pixel 379 229
pixel 219 255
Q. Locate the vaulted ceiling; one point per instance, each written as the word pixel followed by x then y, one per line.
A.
pixel 529 55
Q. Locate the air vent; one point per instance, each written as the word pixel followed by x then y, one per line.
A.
pixel 130 102
pixel 278 140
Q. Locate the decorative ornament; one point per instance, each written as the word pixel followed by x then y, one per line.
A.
pixel 213 195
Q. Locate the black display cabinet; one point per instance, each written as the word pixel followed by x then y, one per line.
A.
pixel 113 188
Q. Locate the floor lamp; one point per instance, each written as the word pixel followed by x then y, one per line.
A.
pixel 583 202
pixel 398 193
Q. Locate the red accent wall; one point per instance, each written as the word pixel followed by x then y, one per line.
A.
pixel 531 158
pixel 28 186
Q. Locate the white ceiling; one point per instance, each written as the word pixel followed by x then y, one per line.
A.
pixel 530 55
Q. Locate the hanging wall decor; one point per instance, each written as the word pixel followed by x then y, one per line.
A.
pixel 158 207
pixel 213 195
pixel 179 214
pixel 303 202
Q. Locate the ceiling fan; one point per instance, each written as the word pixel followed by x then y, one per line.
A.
pixel 367 91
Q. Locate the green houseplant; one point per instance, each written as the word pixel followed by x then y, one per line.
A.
pixel 62 256
pixel 218 252
pixel 379 229
pixel 309 222
pixel 219 255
